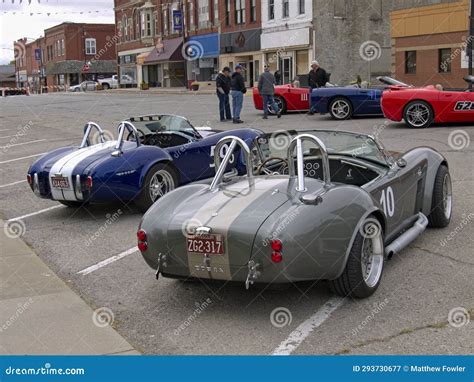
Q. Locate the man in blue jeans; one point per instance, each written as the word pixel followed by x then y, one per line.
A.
pixel 266 88
pixel 223 90
pixel 238 91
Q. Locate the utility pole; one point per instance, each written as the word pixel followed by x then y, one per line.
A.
pixel 470 42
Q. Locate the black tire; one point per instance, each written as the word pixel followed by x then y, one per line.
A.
pixel 105 86
pixel 343 115
pixel 144 199
pixel 441 210
pixel 423 107
pixel 352 282
pixel 72 203
pixel 281 102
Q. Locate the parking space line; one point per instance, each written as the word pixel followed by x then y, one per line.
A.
pixel 34 213
pixel 21 158
pixel 6 136
pixel 5 130
pixel 22 144
pixel 298 335
pixel 12 184
pixel 105 262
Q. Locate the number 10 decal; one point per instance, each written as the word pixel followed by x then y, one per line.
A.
pixel 387 201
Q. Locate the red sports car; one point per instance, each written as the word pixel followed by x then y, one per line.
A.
pixel 288 98
pixel 420 107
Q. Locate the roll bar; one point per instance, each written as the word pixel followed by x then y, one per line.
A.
pixel 87 130
pixel 221 166
pixel 121 131
pixel 298 143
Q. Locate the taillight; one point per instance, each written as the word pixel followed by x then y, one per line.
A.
pixel 29 179
pixel 142 244
pixel 277 247
pixel 89 182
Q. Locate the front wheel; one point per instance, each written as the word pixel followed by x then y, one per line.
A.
pixel 340 109
pixel 364 266
pixel 159 180
pixel 442 199
pixel 418 114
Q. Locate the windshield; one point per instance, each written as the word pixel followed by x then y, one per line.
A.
pixel 337 143
pixel 151 124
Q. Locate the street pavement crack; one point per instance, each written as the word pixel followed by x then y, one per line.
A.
pixel 441 255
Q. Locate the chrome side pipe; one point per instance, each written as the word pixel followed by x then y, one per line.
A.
pixel 408 236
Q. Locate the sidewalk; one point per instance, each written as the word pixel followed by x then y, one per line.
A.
pixel 161 91
pixel 40 314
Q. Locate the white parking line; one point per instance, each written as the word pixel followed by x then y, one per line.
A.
pixel 22 144
pixel 21 158
pixel 298 335
pixel 12 184
pixel 105 262
pixel 5 130
pixel 6 136
pixel 35 213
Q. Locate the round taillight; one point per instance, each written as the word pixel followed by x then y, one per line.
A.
pixel 142 246
pixel 29 179
pixel 141 235
pixel 277 245
pixel 277 257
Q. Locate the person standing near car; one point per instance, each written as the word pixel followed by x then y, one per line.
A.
pixel 238 91
pixel 266 88
pixel 317 78
pixel 223 90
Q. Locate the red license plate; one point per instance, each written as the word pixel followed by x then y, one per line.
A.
pixel 206 244
pixel 60 182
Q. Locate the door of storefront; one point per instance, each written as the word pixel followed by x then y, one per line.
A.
pixel 286 69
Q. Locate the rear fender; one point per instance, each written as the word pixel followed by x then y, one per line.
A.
pixel 157 156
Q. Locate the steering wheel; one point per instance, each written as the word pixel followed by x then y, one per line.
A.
pixel 264 168
pixel 141 136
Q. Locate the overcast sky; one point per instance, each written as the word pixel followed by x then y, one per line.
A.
pixel 18 20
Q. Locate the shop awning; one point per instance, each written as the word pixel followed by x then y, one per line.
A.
pixel 169 50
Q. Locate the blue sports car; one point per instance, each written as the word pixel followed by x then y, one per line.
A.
pixel 345 102
pixel 152 155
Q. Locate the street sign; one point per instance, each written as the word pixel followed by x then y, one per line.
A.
pixel 85 68
pixel 38 54
pixel 177 20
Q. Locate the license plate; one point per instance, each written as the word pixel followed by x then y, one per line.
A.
pixel 60 182
pixel 206 244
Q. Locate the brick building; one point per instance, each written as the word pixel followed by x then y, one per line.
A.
pixel 429 44
pixel 58 59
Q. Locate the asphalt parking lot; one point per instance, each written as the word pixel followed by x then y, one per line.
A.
pixel 423 285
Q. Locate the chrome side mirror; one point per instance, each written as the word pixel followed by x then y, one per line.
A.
pixel 401 162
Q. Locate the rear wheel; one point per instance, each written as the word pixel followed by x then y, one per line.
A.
pixel 364 266
pixel 159 180
pixel 442 200
pixel 105 86
pixel 340 108
pixel 418 114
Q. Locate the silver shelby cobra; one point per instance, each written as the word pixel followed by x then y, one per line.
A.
pixel 289 206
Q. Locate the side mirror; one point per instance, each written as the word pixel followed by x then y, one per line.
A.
pixel 401 163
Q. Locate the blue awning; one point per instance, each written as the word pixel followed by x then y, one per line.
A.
pixel 208 44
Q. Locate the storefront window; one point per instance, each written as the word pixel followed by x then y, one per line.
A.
pixel 128 75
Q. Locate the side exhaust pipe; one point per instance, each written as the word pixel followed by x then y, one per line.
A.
pixel 408 236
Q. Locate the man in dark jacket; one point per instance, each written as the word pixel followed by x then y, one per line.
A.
pixel 266 88
pixel 317 78
pixel 223 90
pixel 238 91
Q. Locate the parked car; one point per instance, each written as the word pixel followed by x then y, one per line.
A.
pixel 334 211
pixel 109 83
pixel 84 87
pixel 152 155
pixel 421 107
pixel 288 97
